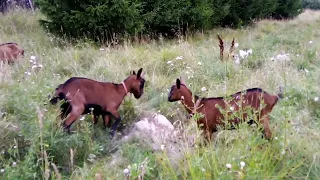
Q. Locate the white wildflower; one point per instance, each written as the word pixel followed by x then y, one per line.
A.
pixel 102 49
pixel 228 166
pixel 169 62
pixel 82 118
pixel 33 57
pixel 203 89
pixel 310 42
pixel 126 172
pixel 298 55
pixel 2 170
pixel 14 147
pixel 199 63
pixel 249 51
pixel 162 147
pixel 236 59
pixel 316 99
pixel 179 58
pixel 14 164
pixel 243 54
pixel 34 66
pixel 203 170
pixel 236 45
pixel 232 108
pixel 283 152
pixel 272 59
pixel 306 70
pixel 276 138
pixel 242 164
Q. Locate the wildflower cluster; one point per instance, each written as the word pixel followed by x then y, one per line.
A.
pixel 281 57
pixel 34 65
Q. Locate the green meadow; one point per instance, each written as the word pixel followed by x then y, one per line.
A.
pixel 284 53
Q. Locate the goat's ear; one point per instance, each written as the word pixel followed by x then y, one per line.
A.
pixel 139 73
pixel 134 73
pixel 178 83
pixel 182 80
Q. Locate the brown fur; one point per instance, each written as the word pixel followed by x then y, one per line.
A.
pixel 82 94
pixel 10 52
pixel 213 117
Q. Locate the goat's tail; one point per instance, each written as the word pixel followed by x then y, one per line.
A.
pixel 57 95
pixel 280 92
pixel 279 95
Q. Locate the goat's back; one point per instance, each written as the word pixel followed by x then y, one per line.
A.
pixel 10 52
pixel 252 98
pixel 89 91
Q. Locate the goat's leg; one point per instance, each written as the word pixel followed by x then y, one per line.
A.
pixel 73 116
pixel 207 136
pixel 106 120
pixel 95 118
pixel 116 122
pixel 65 109
pixel 267 132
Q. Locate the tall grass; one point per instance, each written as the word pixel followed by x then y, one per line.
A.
pixel 34 146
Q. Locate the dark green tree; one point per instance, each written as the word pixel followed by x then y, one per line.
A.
pixel 106 20
pixel 287 9
pixel 311 4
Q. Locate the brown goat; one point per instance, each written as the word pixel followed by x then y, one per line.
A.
pixel 10 52
pixel 82 94
pixel 209 107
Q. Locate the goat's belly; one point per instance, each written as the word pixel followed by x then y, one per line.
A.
pixel 93 108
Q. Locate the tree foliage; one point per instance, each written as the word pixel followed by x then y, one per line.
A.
pixel 311 4
pixel 104 20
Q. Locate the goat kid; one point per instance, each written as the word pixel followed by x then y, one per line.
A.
pixel 83 96
pixel 209 107
pixel 10 52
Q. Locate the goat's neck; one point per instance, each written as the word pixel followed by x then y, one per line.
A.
pixel 188 103
pixel 127 83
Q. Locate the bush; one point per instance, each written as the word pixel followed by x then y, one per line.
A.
pixel 243 12
pixel 109 20
pixel 311 4
pixel 288 9
pixel 98 20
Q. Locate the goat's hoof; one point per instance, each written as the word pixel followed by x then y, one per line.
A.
pixel 111 134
